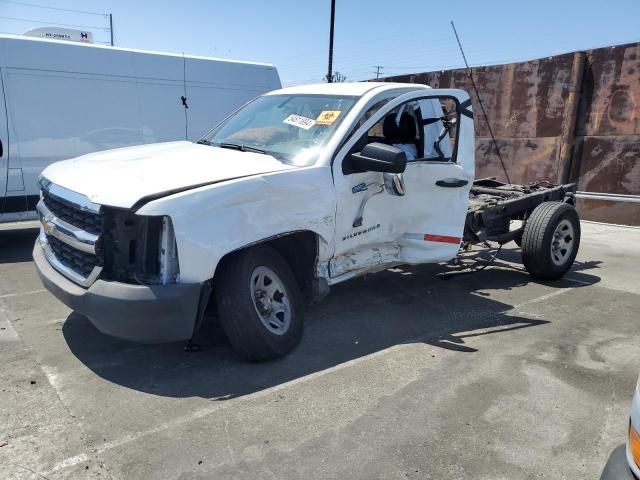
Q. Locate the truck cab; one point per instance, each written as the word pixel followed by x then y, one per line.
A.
pixel 300 189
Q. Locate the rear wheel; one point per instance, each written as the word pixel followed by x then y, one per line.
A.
pixel 550 240
pixel 259 303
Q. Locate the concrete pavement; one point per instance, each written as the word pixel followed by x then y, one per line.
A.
pixel 416 372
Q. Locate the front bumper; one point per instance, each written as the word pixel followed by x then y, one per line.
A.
pixel 617 467
pixel 140 313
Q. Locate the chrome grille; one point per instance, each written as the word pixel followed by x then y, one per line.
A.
pixel 77 260
pixel 84 220
pixel 71 233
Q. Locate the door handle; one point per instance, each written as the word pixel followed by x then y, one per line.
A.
pixel 452 182
pixel 1 149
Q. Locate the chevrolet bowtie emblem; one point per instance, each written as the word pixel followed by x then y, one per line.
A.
pixel 48 228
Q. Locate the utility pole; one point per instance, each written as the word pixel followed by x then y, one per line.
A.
pixel 111 27
pixel 378 68
pixel 333 15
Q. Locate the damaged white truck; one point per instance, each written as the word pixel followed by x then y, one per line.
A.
pixel 300 189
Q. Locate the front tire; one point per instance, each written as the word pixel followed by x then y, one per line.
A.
pixel 259 303
pixel 550 240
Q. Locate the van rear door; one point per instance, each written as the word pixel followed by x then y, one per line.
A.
pixel 4 147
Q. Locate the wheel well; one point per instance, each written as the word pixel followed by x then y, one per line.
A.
pixel 300 251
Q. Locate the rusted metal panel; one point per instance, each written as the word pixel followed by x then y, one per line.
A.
pixel 608 164
pixel 526 159
pixel 525 104
pixel 607 154
pixel 610 103
pixel 522 100
pixel 532 114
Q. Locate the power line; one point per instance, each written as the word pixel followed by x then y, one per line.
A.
pixel 434 54
pixel 397 69
pixel 436 66
pixel 390 55
pixel 381 56
pixel 388 52
pixel 357 43
pixel 24 4
pixel 479 53
pixel 53 23
pixel 356 69
pixel 353 70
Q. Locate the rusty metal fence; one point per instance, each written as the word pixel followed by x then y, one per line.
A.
pixel 572 117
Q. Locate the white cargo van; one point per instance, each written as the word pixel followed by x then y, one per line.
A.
pixel 62 99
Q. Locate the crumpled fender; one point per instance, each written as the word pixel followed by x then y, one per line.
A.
pixel 213 220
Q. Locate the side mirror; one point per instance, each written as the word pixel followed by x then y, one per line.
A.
pixel 379 157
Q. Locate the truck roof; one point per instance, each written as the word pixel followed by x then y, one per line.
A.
pixel 356 89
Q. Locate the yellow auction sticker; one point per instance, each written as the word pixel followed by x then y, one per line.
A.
pixel 327 117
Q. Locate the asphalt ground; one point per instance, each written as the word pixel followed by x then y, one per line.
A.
pixel 419 372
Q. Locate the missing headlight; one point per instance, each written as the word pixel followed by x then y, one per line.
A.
pixel 139 249
pixel 168 255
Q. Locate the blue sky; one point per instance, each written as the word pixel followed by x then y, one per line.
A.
pixel 402 36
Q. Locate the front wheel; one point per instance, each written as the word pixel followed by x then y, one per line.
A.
pixel 259 303
pixel 550 240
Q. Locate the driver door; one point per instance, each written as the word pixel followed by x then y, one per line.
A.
pixel 418 216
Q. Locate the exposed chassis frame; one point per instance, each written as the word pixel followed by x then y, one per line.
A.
pixel 493 204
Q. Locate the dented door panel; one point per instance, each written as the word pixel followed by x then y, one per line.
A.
pixel 423 225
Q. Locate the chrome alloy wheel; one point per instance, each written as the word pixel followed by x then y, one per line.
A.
pixel 562 243
pixel 270 300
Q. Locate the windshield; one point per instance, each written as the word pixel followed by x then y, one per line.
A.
pixel 292 128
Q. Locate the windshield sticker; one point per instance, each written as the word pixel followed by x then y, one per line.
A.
pixel 300 122
pixel 327 117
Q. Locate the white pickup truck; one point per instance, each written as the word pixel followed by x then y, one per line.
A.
pixel 300 189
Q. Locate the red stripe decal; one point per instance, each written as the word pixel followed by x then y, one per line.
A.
pixel 441 238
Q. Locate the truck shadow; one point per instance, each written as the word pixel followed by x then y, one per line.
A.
pixel 16 245
pixel 400 306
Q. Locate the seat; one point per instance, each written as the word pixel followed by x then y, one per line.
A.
pixel 390 129
pixel 407 129
pixel 402 132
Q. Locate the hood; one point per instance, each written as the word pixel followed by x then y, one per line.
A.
pixel 122 177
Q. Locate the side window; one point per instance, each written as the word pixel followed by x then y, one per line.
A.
pixel 425 129
pixel 400 128
pixel 369 113
pixel 366 116
pixel 376 133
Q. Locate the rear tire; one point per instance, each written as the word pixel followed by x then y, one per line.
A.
pixel 259 304
pixel 550 240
